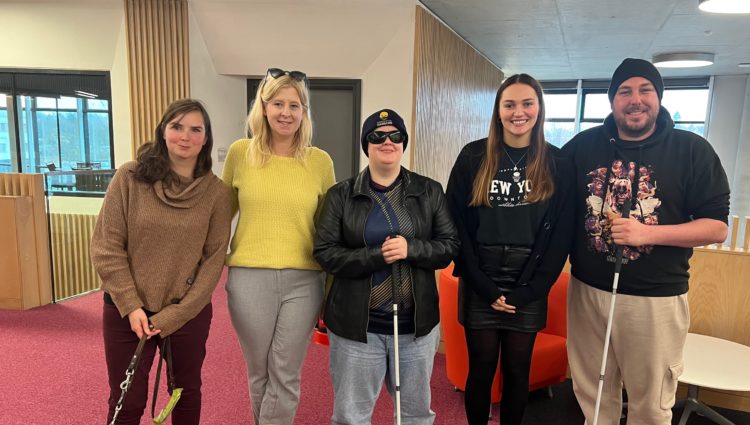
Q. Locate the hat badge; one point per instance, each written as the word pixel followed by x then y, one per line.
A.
pixel 383 115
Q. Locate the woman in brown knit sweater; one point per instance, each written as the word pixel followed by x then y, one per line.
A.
pixel 159 248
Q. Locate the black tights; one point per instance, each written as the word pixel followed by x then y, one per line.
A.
pixel 485 345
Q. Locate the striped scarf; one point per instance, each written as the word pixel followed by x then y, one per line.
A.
pixel 391 205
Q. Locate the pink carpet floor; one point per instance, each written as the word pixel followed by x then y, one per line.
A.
pixel 52 372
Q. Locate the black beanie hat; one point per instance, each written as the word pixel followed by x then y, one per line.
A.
pixel 635 68
pixel 382 118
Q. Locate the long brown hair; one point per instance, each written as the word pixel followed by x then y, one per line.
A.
pixel 153 157
pixel 539 169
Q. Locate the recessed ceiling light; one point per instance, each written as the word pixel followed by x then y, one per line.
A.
pixel 683 60
pixel 85 94
pixel 724 6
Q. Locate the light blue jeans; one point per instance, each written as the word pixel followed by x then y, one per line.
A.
pixel 358 371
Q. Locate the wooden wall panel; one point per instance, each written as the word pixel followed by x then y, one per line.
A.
pixel 719 294
pixel 18 286
pixel 71 239
pixel 158 60
pixel 454 88
pixel 32 185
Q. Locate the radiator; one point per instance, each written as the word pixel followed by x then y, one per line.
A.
pixel 71 259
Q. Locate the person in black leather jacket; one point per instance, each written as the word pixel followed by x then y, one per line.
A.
pixel 385 219
pixel 511 195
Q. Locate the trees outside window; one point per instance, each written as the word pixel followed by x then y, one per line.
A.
pixel 51 118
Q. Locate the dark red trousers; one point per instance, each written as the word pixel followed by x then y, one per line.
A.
pixel 188 346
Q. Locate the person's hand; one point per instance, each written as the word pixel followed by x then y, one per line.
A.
pixel 394 248
pixel 500 305
pixel 629 231
pixel 140 325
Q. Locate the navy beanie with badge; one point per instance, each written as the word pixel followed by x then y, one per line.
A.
pixel 630 68
pixel 382 118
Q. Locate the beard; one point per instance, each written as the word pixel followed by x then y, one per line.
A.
pixel 636 130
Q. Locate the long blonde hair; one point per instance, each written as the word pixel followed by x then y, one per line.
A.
pixel 259 151
pixel 540 167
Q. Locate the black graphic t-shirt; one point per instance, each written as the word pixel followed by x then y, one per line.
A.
pixel 609 189
pixel 510 220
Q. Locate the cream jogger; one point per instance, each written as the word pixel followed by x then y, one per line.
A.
pixel 645 352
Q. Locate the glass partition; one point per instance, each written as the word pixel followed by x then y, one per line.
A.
pixel 74 199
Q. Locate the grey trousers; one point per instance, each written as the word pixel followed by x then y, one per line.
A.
pixel 273 312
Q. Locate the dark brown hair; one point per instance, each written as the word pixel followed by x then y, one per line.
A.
pixel 539 170
pixel 153 157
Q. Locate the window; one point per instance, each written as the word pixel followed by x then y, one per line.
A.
pixel 595 108
pixel 5 146
pixel 560 116
pixel 688 108
pixel 60 119
pixel 685 98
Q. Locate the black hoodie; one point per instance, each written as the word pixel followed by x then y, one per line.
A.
pixel 673 176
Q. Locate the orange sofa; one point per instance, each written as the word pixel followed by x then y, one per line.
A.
pixel 549 361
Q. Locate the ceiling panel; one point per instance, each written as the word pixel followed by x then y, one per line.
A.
pixel 481 10
pixel 519 34
pixel 564 39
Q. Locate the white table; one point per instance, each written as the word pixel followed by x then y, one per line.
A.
pixel 713 363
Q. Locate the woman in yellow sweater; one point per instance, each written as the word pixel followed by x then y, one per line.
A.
pixel 159 247
pixel 275 286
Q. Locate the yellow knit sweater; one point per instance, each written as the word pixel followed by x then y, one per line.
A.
pixel 278 204
pixel 161 248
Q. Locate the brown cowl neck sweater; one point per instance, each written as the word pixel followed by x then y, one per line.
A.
pixel 162 247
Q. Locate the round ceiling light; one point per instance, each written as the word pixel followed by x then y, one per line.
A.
pixel 683 60
pixel 724 6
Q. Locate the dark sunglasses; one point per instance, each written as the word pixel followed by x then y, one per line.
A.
pixel 378 137
pixel 295 75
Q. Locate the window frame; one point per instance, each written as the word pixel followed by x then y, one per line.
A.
pixel 587 87
pixel 55 84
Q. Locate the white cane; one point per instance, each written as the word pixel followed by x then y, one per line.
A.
pixel 396 280
pixel 618 265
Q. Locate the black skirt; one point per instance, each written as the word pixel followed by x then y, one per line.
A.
pixel 503 264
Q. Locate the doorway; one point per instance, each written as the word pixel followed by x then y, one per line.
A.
pixel 335 109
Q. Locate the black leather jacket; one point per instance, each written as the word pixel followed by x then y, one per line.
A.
pixel 341 251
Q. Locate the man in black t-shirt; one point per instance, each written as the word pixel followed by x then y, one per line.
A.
pixel 680 199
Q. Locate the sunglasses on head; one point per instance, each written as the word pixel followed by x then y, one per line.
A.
pixel 294 75
pixel 378 137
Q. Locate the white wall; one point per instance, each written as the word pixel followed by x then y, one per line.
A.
pixel 389 81
pixel 74 35
pixel 323 38
pixel 729 134
pixel 224 96
pixel 70 35
pixel 741 197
